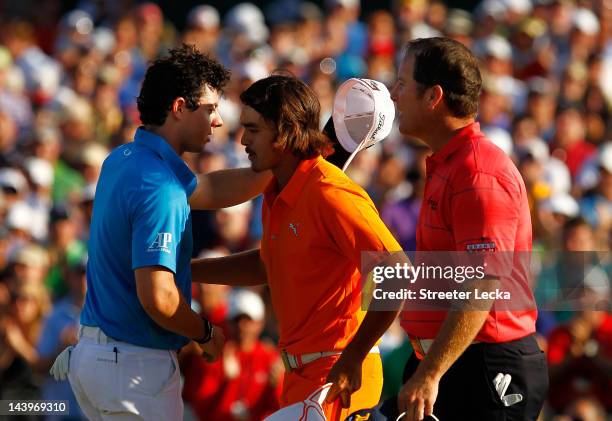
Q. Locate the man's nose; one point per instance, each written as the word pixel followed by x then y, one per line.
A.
pixel 217 120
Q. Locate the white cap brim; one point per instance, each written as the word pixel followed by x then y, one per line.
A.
pixel 363 114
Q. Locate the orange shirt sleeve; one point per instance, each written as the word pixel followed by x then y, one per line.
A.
pixel 351 220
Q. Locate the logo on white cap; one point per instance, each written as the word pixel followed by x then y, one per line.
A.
pixel 363 114
pixel 310 409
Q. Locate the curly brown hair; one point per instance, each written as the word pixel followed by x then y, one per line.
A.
pixel 183 73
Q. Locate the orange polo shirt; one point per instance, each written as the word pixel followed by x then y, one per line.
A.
pixel 314 232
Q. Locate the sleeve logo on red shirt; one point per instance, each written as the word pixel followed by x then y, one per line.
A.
pixel 480 247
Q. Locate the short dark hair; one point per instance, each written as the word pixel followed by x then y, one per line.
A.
pixel 293 109
pixel 450 64
pixel 573 223
pixel 183 73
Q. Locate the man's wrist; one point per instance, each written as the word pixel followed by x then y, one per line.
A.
pixel 208 332
pixel 356 351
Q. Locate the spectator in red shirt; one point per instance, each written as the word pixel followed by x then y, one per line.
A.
pixel 244 384
pixel 580 352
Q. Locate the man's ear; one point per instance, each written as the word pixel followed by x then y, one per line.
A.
pixel 435 96
pixel 179 106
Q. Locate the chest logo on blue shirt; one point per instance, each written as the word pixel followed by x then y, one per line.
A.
pixel 161 243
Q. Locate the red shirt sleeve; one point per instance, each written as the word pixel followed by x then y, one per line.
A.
pixel 485 217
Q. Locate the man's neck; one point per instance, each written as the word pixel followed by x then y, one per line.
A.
pixel 440 134
pixel 285 169
pixel 167 134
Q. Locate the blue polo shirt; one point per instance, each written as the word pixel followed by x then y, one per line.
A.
pixel 141 217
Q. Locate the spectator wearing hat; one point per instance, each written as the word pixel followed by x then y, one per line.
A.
pixel 66 248
pixel 42 73
pixel 203 28
pixel 14 186
pixel 459 26
pixel 48 145
pixel 17 222
pixel 244 385
pixel 40 174
pixel 30 264
pixel 596 205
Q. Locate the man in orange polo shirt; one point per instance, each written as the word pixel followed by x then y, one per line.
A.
pixel 474 201
pixel 316 224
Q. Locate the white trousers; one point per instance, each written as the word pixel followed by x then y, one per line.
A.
pixel 118 381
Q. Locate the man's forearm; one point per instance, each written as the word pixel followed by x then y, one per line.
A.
pixel 458 330
pixel 240 269
pixel 224 188
pixel 178 317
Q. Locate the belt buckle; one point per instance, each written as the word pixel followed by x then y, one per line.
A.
pixel 285 360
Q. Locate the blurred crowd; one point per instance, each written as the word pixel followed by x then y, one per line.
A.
pixel 68 84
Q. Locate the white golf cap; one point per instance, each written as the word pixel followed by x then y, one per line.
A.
pixel 363 114
pixel 586 21
pixel 203 17
pixel 500 138
pixel 494 46
pixel 19 217
pixel 605 156
pixel 245 302
pixel 309 409
pixel 40 171
pixel 13 179
pixel 563 204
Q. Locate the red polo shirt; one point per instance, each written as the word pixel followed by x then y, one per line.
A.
pixel 475 199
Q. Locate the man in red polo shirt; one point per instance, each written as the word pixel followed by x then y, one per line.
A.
pixel 474 200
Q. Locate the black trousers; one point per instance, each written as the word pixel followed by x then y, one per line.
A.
pixel 466 391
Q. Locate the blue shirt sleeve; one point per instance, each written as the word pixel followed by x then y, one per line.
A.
pixel 158 222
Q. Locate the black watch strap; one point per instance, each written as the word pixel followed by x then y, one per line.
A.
pixel 208 332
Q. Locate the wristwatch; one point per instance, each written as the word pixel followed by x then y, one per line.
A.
pixel 208 335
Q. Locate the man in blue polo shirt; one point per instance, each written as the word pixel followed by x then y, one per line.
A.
pixel 137 309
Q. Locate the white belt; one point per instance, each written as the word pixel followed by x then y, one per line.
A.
pixel 96 334
pixel 422 346
pixel 291 362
